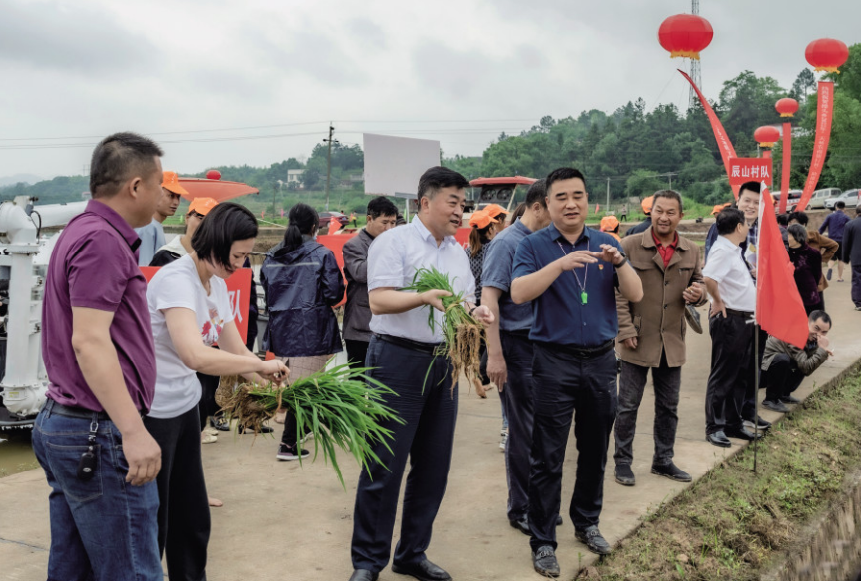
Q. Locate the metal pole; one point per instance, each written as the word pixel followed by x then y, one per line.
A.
pixel 756 394
pixel 329 164
pixel 608 194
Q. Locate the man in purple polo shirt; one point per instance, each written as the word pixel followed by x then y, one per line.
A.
pixel 98 350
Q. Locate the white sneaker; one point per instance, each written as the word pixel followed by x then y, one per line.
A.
pixel 210 430
pixel 504 441
pixel 207 438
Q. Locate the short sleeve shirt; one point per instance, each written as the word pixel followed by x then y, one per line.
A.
pixel 95 265
pixel 393 259
pixel 152 239
pixel 177 285
pixel 727 268
pixel 496 273
pixel 560 315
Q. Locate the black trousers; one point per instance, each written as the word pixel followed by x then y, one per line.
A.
pixel 731 380
pixel 782 377
pixel 517 397
pixel 563 384
pixel 356 352
pixel 632 384
pixel 429 410
pixel 207 406
pixel 183 513
pixel 856 283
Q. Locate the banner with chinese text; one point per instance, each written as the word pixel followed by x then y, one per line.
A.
pixel 747 169
pixel 824 106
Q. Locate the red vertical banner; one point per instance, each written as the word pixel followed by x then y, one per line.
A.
pixel 787 162
pixel 727 151
pixel 824 108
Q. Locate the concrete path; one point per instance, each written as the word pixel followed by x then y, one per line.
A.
pixel 282 522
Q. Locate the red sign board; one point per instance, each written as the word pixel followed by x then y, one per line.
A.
pixel 238 291
pixel 749 169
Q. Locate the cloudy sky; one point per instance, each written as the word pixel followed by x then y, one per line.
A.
pixel 256 81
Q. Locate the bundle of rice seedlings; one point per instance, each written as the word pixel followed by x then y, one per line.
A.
pixel 340 407
pixel 463 334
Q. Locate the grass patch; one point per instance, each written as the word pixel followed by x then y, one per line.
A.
pixel 732 522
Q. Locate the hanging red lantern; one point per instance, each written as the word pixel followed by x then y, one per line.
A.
pixel 685 35
pixel 213 174
pixel 766 136
pixel 826 54
pixel 786 107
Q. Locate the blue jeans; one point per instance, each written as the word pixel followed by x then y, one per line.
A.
pixel 102 529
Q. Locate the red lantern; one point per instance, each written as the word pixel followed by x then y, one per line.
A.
pixel 826 54
pixel 213 174
pixel 786 107
pixel 766 136
pixel 685 35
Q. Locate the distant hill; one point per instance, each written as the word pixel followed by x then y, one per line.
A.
pixel 25 178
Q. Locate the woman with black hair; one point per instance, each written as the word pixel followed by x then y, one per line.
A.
pixel 302 283
pixel 189 312
pixel 808 267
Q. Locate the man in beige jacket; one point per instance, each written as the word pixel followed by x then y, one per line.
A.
pixel 652 334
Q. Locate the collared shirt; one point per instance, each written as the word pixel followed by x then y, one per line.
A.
pixel 727 268
pixel 94 265
pixel 667 251
pixel 394 258
pixel 835 224
pixel 496 273
pixel 559 315
pixel 152 239
pixel 747 248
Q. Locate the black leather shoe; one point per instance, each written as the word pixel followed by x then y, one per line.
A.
pixel 544 561
pixel 364 575
pixel 718 439
pixel 559 520
pixel 789 399
pixel 624 475
pixel 672 472
pixel 521 524
pixel 742 434
pixel 775 406
pixel 423 571
pixel 593 539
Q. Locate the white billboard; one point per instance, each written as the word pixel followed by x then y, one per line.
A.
pixel 393 165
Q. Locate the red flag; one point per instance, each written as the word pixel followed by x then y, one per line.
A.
pixel 724 144
pixel 779 309
pixel 824 106
pixel 334 225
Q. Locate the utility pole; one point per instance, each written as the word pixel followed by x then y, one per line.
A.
pixel 329 161
pixel 608 194
pixel 696 74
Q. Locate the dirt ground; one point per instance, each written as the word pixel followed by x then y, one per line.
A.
pixel 283 521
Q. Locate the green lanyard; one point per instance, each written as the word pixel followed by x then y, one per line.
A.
pixel 584 296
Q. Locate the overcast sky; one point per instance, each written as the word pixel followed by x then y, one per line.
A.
pixel 458 71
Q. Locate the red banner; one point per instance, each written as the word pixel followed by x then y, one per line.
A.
pixel 779 309
pixel 727 151
pixel 747 169
pixel 238 291
pixel 787 162
pixel 824 107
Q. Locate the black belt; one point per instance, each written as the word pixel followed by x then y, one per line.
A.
pixel 521 333
pixel 55 407
pixel 744 314
pixel 578 351
pixel 427 348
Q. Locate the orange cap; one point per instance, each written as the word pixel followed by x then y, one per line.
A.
pixel 646 204
pixel 170 182
pixel 717 209
pixel 494 210
pixel 202 205
pixel 609 223
pixel 481 219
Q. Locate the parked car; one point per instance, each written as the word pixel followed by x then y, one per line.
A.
pixel 819 197
pixel 326 217
pixel 849 197
pixel 792 201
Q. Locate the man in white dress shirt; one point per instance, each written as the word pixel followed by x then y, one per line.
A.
pixel 409 357
pixel 733 293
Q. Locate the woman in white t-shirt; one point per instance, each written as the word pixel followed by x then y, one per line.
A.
pixel 189 311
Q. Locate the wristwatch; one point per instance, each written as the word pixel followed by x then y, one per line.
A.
pixel 624 260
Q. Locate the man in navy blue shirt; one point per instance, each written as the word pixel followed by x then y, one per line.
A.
pixel 509 350
pixel 570 273
pixel 835 223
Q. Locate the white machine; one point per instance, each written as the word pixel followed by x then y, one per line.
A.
pixel 24 255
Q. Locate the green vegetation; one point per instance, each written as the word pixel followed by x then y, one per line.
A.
pixel 731 523
pixel 634 151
